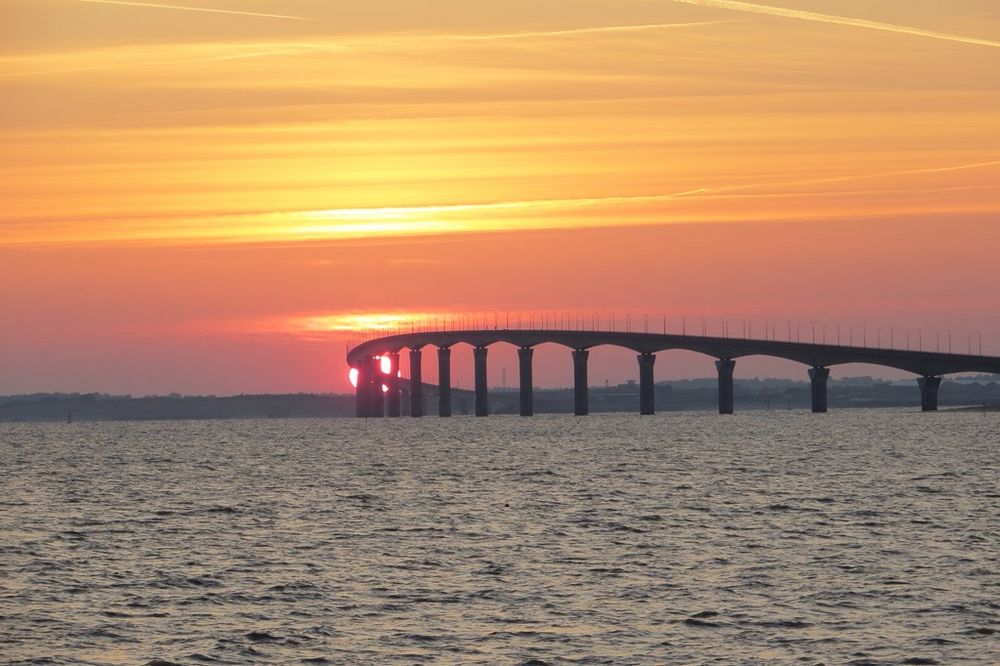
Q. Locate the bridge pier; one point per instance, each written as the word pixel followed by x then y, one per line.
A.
pixel 416 383
pixel 647 395
pixel 360 395
pixel 482 399
pixel 444 381
pixel 393 406
pixel 364 396
pixel 524 355
pixel 375 387
pixel 725 367
pixel 580 397
pixel 929 393
pixel 818 376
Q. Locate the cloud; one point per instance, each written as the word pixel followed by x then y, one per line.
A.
pixel 113 58
pixel 586 31
pixel 798 14
pixel 155 5
pixel 423 220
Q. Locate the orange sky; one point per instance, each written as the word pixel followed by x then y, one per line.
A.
pixel 201 196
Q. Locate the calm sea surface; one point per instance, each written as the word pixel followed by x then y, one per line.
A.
pixel 857 537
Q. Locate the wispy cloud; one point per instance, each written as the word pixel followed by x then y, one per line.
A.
pixel 156 5
pixel 113 58
pixel 586 31
pixel 802 15
pixel 429 219
pixel 170 55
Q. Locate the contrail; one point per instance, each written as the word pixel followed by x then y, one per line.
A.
pixel 154 5
pixel 355 214
pixel 279 225
pixel 276 51
pixel 295 48
pixel 586 31
pixel 752 8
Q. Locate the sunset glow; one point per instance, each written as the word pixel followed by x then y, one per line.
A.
pixel 352 322
pixel 222 195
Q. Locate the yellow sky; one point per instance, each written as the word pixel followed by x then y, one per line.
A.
pixel 180 125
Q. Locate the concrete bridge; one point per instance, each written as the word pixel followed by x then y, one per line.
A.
pixel 818 358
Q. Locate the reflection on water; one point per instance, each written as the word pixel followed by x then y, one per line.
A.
pixel 864 537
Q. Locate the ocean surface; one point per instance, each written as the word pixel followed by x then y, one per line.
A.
pixel 856 537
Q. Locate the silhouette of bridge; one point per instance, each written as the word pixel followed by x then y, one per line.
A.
pixel 378 392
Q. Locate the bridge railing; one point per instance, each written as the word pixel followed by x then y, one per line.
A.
pixel 776 330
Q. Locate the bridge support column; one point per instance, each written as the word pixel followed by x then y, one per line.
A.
pixel 725 367
pixel 524 355
pixel 818 376
pixel 482 399
pixel 647 395
pixel 929 393
pixel 365 394
pixel 360 395
pixel 416 383
pixel 375 386
pixel 444 381
pixel 580 397
pixel 392 381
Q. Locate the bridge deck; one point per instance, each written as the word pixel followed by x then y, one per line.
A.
pixel 811 354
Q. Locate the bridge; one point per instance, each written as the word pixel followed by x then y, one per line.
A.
pixel 378 392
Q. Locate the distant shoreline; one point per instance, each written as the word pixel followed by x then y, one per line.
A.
pixel 672 396
pixel 995 407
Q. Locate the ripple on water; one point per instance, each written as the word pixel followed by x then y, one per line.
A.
pixel 865 537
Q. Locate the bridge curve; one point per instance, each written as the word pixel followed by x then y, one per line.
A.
pixel 929 366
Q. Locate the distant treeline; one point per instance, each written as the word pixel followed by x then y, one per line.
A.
pixel 98 407
pixel 674 395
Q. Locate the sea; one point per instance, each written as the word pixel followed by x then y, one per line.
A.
pixel 863 537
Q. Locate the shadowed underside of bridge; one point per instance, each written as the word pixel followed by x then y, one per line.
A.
pixel 379 393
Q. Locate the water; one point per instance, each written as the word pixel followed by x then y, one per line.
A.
pixel 860 537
